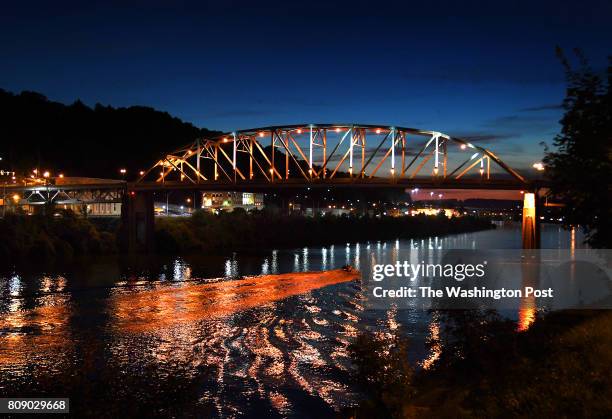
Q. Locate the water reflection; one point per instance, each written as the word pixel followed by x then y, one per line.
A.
pixel 265 346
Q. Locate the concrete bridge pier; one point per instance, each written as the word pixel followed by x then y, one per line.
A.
pixel 137 222
pixel 531 221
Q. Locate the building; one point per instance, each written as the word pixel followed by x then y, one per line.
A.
pixel 449 212
pixel 228 201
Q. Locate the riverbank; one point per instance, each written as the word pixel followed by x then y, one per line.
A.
pixel 206 232
pixel 65 236
pixel 559 367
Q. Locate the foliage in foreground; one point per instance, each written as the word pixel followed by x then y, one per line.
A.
pixel 580 167
pixel 383 372
pixel 561 367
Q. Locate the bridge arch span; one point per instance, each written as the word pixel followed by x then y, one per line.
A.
pixel 359 154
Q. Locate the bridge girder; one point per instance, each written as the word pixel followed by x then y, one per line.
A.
pixel 324 153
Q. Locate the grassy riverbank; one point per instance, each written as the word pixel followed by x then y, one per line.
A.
pixel 238 230
pixel 560 367
pixel 42 238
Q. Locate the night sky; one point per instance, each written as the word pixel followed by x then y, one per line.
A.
pixel 487 71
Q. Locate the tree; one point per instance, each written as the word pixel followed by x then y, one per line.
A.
pixel 384 372
pixel 580 167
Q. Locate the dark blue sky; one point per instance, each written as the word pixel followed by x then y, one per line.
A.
pixel 485 70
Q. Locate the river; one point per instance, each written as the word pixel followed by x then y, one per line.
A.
pixel 161 334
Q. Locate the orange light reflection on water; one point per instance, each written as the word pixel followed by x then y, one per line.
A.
pixel 167 306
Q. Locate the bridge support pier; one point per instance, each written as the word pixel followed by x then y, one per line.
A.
pixel 531 221
pixel 137 222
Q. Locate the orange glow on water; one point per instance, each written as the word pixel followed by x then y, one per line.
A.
pixel 169 306
pixel 526 318
pixel 436 348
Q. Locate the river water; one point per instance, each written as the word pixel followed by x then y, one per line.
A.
pixel 184 337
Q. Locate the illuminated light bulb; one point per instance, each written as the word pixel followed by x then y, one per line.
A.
pixel 463 146
pixel 378 130
pixel 140 173
pixel 299 131
pixel 481 171
pixel 271 170
pixel 435 170
pixel 261 134
pixel 392 171
pixel 225 140
pixel 46 174
pixel 16 197
pixel 60 175
pixel 337 129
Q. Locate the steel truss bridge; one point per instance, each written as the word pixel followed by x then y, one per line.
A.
pixel 331 154
pixel 317 155
pixel 69 191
